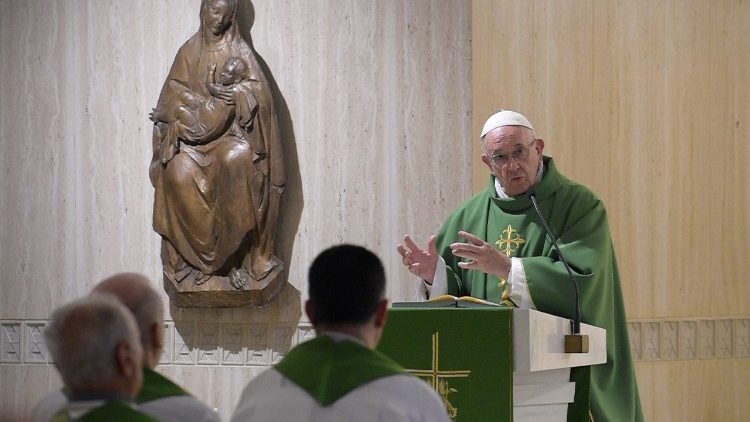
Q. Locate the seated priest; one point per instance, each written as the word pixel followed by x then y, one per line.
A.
pixel 159 397
pixel 94 343
pixel 338 376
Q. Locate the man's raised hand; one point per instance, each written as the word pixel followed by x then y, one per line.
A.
pixel 420 262
pixel 480 255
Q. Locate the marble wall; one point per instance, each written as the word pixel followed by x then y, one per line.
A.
pixel 375 105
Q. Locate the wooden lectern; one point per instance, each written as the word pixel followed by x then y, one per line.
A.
pixel 491 363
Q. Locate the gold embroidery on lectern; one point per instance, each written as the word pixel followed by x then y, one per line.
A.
pixel 438 378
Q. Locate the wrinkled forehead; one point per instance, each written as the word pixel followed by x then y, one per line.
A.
pixel 506 138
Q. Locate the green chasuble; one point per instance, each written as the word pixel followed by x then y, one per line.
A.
pixel 578 219
pixel 329 369
pixel 157 386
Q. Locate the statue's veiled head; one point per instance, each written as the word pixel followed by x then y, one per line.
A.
pixel 217 16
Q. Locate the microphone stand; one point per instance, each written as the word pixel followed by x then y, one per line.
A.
pixel 574 342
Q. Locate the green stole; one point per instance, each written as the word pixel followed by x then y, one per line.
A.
pixel 328 369
pixel 111 411
pixel 157 386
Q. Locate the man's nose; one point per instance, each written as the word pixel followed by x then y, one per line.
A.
pixel 513 164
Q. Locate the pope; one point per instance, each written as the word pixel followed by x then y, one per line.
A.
pixel 494 247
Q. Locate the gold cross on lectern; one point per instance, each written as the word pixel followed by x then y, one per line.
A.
pixel 437 377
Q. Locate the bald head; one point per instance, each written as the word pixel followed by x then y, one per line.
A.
pixel 130 288
pixel 135 292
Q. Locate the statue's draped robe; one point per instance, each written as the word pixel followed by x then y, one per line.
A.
pixel 214 192
pixel 579 220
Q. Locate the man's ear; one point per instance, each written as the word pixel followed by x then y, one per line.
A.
pixel 486 161
pixel 126 360
pixel 309 312
pixel 539 143
pixel 381 313
pixel 157 336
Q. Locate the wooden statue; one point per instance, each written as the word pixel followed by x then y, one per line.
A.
pixel 217 169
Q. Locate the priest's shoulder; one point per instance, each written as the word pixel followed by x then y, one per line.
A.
pixel 475 203
pixel 579 193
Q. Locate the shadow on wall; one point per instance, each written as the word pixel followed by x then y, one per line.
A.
pixel 292 201
pixel 212 336
pixel 234 336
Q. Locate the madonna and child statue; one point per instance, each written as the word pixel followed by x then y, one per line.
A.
pixel 217 170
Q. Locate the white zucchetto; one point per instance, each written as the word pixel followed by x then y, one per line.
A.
pixel 505 118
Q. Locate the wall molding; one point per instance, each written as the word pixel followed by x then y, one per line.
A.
pixel 206 343
pixel 687 339
pixel 196 343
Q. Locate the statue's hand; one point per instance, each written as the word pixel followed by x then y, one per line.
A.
pixel 224 93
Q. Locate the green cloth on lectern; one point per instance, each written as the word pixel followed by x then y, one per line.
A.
pixel 466 354
pixel 579 220
pixel 157 386
pixel 329 369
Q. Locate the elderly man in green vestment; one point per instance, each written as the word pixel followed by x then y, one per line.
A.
pixel 159 397
pixel 494 247
pixel 94 342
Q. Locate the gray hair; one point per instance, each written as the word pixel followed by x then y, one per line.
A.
pixel 83 338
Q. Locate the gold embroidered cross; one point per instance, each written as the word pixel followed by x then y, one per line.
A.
pixel 437 377
pixel 508 245
pixel 511 242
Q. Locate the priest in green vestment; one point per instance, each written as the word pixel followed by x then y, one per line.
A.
pixel 339 376
pixel 494 247
pixel 94 343
pixel 159 397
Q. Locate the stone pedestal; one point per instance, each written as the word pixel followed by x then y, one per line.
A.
pixel 218 292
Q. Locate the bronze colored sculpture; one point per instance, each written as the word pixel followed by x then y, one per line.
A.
pixel 217 169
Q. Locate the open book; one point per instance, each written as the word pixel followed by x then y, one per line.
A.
pixel 449 301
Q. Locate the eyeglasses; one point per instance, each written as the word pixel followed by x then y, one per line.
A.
pixel 519 153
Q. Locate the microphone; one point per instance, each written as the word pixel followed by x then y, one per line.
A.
pixel 575 342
